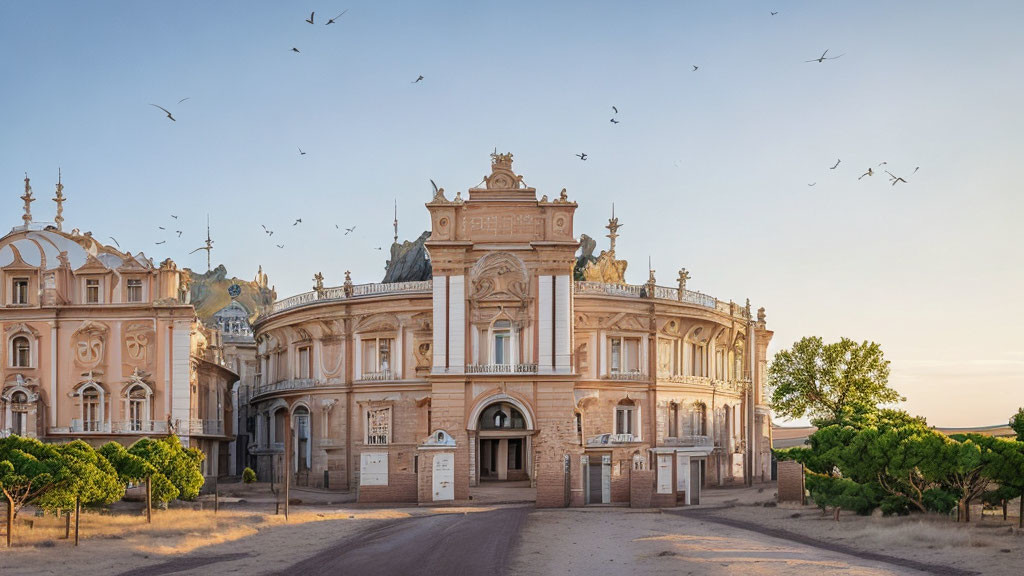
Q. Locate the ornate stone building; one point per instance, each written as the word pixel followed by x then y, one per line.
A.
pixel 502 367
pixel 102 345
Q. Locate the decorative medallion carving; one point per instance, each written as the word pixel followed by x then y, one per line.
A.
pixel 89 343
pixel 499 276
pixel 137 340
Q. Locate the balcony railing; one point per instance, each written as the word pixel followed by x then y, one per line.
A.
pixel 660 293
pixel 140 426
pixel 285 385
pixel 625 375
pixel 501 369
pixel 691 440
pixel 379 376
pixel 358 290
pixel 79 426
pixel 206 426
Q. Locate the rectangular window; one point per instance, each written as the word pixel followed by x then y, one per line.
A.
pixel 378 426
pixel 92 291
pixel 502 342
pixel 305 363
pixel 624 419
pixel 134 290
pixel 624 355
pixel 697 362
pixel 377 358
pixel 19 291
pixel 720 365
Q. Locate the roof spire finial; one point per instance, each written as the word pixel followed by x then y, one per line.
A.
pixel 613 230
pixel 396 220
pixel 27 197
pixel 59 199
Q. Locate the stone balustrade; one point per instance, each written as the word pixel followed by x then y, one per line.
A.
pixel 501 369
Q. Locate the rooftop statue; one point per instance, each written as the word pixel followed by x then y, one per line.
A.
pixel 409 262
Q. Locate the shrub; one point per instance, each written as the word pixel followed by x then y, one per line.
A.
pixel 895 505
pixel 248 476
pixel 938 500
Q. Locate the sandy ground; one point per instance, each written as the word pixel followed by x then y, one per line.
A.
pixel 987 546
pixel 731 531
pixel 623 541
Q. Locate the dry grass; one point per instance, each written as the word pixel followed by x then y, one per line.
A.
pixel 174 531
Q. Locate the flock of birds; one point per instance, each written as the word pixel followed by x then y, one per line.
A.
pixel 583 156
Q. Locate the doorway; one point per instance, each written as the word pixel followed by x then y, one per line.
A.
pixel 502 459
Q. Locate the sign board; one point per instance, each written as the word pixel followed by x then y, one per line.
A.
pixel 664 474
pixel 444 476
pixel 373 469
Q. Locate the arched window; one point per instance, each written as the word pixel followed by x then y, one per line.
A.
pixel 700 419
pixel 19 413
pixel 21 350
pixel 138 409
pixel 303 449
pixel 92 410
pixel 502 416
pixel 502 334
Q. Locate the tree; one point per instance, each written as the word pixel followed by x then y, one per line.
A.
pixel 178 472
pixel 89 479
pixel 832 383
pixel 28 469
pixel 1017 423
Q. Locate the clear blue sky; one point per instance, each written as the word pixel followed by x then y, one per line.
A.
pixel 708 169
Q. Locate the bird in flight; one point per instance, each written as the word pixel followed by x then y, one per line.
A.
pixel 173 216
pixel 301 153
pixel 115 241
pixel 331 21
pixel 297 222
pixel 774 13
pixel 296 50
pixel 836 164
pixel 882 163
pixel 614 121
pixel 582 156
pixel 378 248
pixel 162 242
pixel 812 183
pixel 870 172
pixel 310 19
pixel 822 58
pixel 166 111
pixel 894 178
pixel 915 170
pixel 279 245
pixel 183 99
pixel 418 79
pixel 695 67
pixel 179 233
pixel 161 227
pixel 615 109
pixel 269 232
pixel 349 230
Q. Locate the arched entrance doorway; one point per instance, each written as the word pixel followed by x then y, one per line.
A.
pixel 503 444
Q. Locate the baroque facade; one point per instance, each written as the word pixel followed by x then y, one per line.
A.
pixel 102 345
pixel 504 367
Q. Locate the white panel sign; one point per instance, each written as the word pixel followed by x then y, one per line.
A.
pixel 373 469
pixel 444 477
pixel 664 473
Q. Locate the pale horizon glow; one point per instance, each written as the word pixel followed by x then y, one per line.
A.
pixel 708 170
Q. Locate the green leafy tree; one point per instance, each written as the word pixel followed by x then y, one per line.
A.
pixel 90 479
pixel 1004 465
pixel 178 472
pixel 831 383
pixel 1017 423
pixel 28 470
